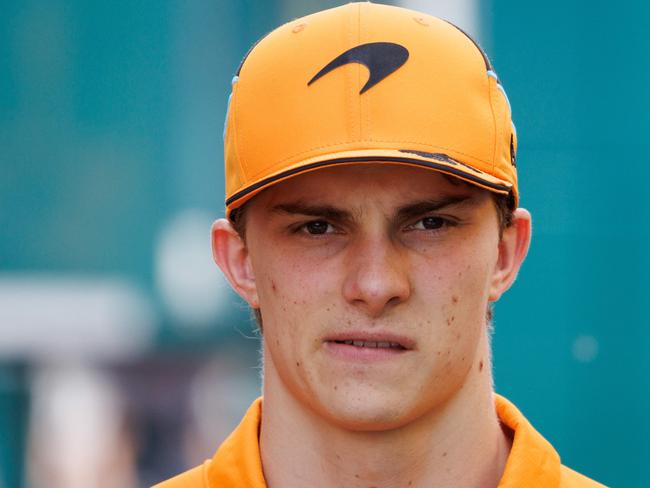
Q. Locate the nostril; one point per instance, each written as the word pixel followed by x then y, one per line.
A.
pixel 395 301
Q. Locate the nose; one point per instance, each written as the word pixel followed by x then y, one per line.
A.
pixel 377 277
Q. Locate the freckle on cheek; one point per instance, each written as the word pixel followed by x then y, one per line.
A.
pixel 454 299
pixel 273 287
pixel 480 365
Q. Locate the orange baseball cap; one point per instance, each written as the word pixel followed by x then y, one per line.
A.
pixel 367 83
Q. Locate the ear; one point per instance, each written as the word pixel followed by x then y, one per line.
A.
pixel 512 251
pixel 231 255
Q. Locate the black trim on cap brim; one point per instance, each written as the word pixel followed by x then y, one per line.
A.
pixel 365 159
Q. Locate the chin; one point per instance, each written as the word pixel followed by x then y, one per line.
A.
pixel 361 412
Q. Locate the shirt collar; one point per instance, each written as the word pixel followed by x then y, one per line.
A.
pixel 532 460
pixel 238 461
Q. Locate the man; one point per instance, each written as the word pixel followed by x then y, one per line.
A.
pixel 372 220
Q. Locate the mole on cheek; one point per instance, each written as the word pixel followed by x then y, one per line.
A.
pixel 480 365
pixel 454 299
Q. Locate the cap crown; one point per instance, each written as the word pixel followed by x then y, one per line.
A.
pixel 290 107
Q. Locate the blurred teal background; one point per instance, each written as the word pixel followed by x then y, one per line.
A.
pixel 111 115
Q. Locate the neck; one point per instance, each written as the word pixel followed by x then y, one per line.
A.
pixel 459 443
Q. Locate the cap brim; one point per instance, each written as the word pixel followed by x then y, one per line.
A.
pixel 439 162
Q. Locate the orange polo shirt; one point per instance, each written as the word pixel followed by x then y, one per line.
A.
pixel 532 461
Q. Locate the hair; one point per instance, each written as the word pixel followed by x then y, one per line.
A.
pixel 502 203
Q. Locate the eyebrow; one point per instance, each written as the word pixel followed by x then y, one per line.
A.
pixel 415 209
pixel 404 212
pixel 324 211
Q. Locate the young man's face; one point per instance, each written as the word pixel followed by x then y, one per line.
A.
pixel 384 254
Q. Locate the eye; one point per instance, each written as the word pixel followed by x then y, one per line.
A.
pixel 430 223
pixel 317 227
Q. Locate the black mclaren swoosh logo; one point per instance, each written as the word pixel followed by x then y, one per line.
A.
pixel 381 59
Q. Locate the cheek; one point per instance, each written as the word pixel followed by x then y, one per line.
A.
pixel 458 277
pixel 294 302
pixel 288 288
pixel 454 290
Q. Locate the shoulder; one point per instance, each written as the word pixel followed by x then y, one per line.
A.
pixel 237 462
pixel 572 479
pixel 193 478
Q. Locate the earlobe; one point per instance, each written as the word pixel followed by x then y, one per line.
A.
pixel 513 248
pixel 231 255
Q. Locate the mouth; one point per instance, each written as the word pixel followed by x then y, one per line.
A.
pixel 372 344
pixel 368 346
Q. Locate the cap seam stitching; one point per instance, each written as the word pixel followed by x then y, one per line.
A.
pixel 235 137
pixel 506 126
pixel 494 120
pixel 349 78
pixel 362 127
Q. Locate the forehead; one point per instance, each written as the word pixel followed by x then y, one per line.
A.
pixel 355 184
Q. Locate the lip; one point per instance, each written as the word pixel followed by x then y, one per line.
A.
pixel 371 336
pixel 335 347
